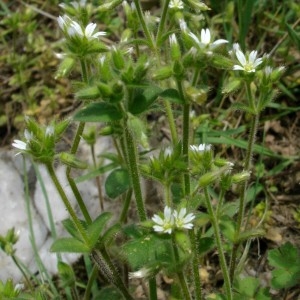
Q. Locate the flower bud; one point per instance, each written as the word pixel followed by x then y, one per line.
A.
pixel 175 49
pixel 107 130
pixel 117 58
pixel 241 177
pixel 65 67
pixel 105 89
pixel 207 179
pixel 71 161
pixel 183 241
pixel 163 73
pixel 109 6
pixel 88 93
pixel 61 127
pixel 178 69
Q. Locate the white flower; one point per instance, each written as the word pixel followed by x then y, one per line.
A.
pixel 165 224
pixel 201 147
pixel 182 25
pixel 76 5
pixel 49 130
pixel 183 220
pixel 142 273
pixel 172 39
pixel 205 41
pixel 247 64
pixel 19 145
pixel 74 28
pixel 176 4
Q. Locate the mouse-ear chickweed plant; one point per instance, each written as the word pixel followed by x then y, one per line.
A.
pixel 159 64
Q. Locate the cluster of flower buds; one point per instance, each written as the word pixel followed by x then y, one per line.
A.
pixel 39 141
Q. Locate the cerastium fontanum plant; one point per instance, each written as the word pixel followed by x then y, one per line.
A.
pixel 159 63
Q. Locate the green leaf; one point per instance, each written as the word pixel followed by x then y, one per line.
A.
pixel 94 173
pixel 70 245
pixel 98 112
pixel 205 245
pixel 148 250
pixel 69 226
pixel 94 230
pixel 247 288
pixel 117 182
pixel 143 99
pixel 227 226
pixel 286 260
pixel 293 35
pixel 172 95
pixel 110 293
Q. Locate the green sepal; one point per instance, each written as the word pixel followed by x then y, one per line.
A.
pixel 88 93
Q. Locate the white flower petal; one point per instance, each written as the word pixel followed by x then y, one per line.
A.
pixel 19 144
pixel 205 36
pixel 89 29
pixel 241 57
pixel 238 68
pixel 194 37
pixel 158 220
pixel 252 56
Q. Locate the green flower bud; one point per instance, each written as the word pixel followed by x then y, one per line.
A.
pixel 178 69
pixel 117 58
pixel 109 6
pixel 183 241
pixel 90 136
pixel 175 49
pixel 221 61
pixel 163 73
pixel 198 96
pixel 107 130
pixel 71 161
pixel 105 89
pixel 232 85
pixel 207 179
pixel 88 93
pixel 241 177
pixel 61 127
pixel 65 67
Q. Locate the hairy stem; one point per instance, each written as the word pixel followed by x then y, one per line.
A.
pixel 222 259
pixel 243 192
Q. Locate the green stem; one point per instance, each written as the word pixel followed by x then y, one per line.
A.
pixel 126 205
pixel 195 266
pixel 180 274
pixel 92 278
pixel 185 136
pixel 162 21
pixel 220 203
pixel 152 289
pixel 143 23
pixel 67 204
pixel 83 70
pixel 15 260
pixel 71 181
pixel 171 121
pixel 134 172
pixel 241 212
pixel 98 181
pixel 215 226
pixel 107 268
pixel 167 194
